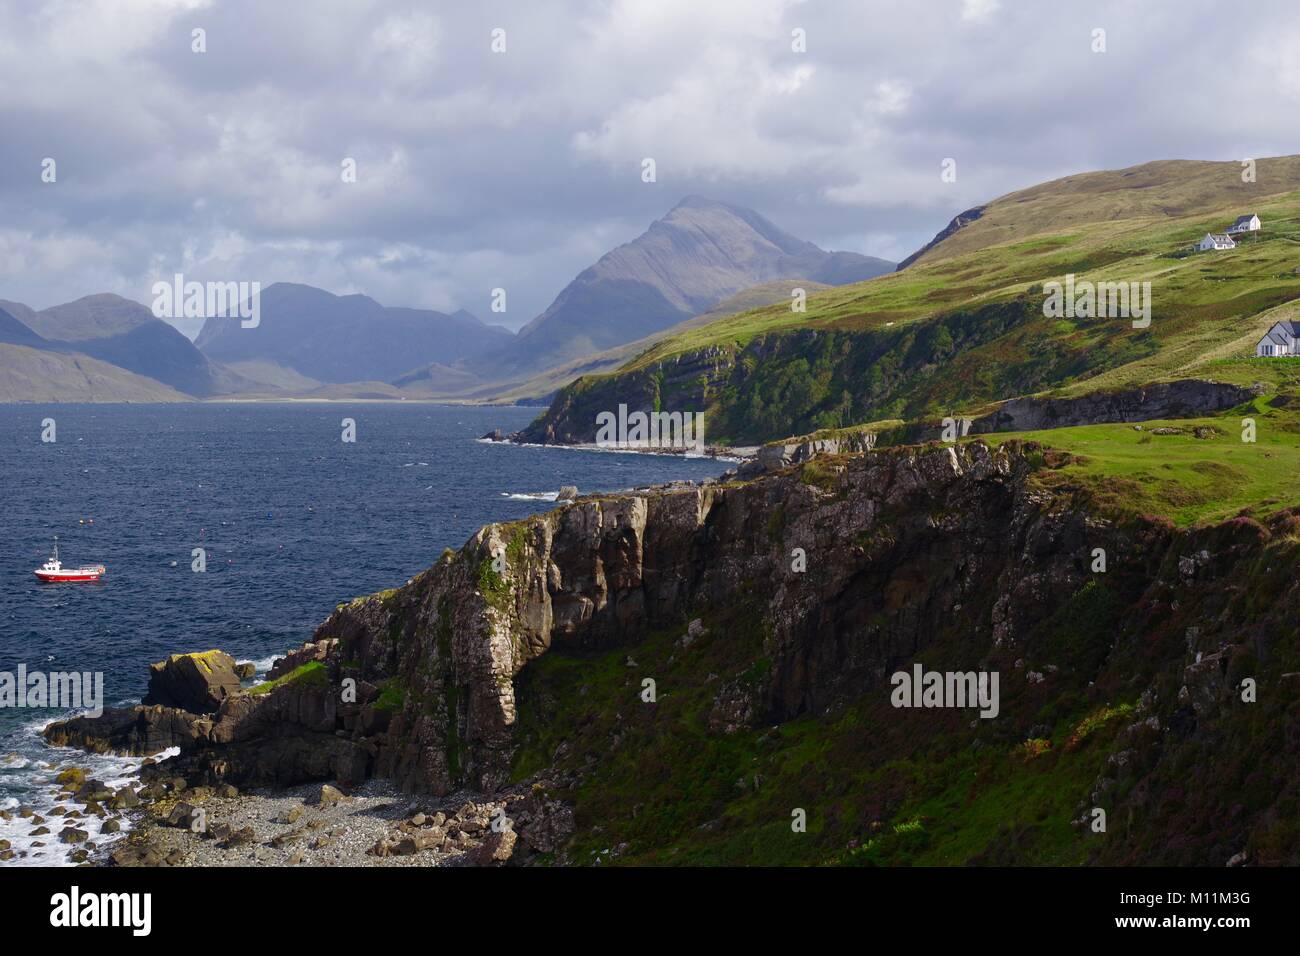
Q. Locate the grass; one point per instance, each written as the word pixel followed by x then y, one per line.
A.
pixel 311 674
pixel 392 696
pixel 1135 470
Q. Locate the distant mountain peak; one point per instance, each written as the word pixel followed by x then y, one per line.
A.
pixel 699 253
pixel 696 201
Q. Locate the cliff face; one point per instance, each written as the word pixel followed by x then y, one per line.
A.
pixel 799 382
pixel 1185 398
pixel 769 617
pixel 605 572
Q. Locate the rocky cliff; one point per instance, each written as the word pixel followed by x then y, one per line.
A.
pixel 768 617
pixel 1185 398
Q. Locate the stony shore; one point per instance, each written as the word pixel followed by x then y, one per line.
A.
pixel 317 825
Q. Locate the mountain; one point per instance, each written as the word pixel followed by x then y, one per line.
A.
pixel 700 253
pixel 14 332
pixel 348 338
pixel 49 375
pixel 538 389
pixel 965 324
pixel 126 334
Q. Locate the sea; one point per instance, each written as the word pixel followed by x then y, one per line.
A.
pixel 290 517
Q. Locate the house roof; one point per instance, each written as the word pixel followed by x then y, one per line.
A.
pixel 1282 333
pixel 1218 236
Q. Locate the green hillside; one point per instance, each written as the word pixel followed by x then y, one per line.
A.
pixel 964 326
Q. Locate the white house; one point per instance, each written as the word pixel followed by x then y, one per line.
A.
pixel 1244 224
pixel 1282 339
pixel 1216 240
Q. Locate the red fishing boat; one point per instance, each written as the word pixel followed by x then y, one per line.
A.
pixel 53 569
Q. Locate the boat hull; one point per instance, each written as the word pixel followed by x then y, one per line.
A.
pixel 54 577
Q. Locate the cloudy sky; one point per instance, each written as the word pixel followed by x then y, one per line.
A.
pixel 478 169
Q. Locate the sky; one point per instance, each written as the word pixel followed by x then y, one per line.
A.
pixel 515 168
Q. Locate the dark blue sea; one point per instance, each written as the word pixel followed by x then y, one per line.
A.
pixel 293 520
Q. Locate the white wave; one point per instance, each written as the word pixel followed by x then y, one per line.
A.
pixel 263 664
pixel 532 496
pixel 36 786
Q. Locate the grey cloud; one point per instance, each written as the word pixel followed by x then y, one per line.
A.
pixel 517 170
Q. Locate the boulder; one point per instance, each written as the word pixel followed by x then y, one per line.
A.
pixel 182 815
pixel 497 848
pixel 329 796
pixel 71 778
pixel 197 683
pixel 241 837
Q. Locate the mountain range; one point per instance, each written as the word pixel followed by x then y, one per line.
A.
pixel 704 258
pixel 349 338
pixel 132 352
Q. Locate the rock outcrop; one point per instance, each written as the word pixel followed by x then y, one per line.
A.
pixel 296 658
pixel 138 731
pixel 194 682
pixel 959 221
pixel 1185 398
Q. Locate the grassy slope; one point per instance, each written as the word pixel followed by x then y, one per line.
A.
pixel 1107 225
pixel 1202 473
pixel 1208 309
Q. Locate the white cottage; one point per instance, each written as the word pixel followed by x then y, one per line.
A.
pixel 1248 223
pixel 1282 339
pixel 1216 240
